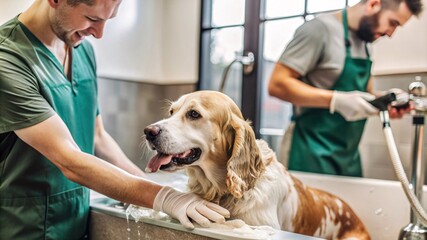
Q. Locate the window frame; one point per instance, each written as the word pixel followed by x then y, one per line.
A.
pixel 254 24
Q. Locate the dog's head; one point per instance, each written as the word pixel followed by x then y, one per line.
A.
pixel 206 130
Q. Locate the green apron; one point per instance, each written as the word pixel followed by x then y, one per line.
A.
pixel 327 143
pixel 36 200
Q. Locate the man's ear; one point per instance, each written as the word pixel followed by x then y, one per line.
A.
pixel 53 3
pixel 373 6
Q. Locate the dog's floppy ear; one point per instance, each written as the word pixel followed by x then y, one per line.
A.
pixel 245 164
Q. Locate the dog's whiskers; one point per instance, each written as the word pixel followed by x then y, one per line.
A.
pixel 147 152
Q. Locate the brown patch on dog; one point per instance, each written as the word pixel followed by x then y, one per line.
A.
pixel 313 204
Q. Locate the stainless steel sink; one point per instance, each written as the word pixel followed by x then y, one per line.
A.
pixel 109 206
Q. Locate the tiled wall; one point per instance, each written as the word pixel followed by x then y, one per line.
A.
pixel 128 107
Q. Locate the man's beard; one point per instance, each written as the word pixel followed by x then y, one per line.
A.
pixel 61 33
pixel 367 26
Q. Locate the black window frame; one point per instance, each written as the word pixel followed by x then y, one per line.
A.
pixel 253 25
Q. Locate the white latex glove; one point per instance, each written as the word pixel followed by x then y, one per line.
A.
pixel 183 206
pixel 352 105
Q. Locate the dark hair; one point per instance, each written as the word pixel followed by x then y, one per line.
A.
pixel 77 2
pixel 415 6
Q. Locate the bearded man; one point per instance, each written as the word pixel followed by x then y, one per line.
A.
pixel 325 72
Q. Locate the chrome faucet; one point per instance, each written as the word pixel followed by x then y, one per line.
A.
pixel 248 67
pixel 417 94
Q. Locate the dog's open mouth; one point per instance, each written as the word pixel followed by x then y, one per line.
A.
pixel 172 161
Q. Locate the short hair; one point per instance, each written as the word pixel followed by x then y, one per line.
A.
pixel 415 6
pixel 74 3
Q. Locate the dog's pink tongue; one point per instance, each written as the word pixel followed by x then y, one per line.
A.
pixel 157 161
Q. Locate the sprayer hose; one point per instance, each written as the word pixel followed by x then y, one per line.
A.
pixel 400 173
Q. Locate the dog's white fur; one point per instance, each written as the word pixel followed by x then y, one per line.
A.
pixel 242 173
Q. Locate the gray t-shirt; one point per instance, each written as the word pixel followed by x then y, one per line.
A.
pixel 317 51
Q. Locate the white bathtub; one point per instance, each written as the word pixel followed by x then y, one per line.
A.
pixel 381 204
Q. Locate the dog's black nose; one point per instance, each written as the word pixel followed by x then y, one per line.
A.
pixel 151 132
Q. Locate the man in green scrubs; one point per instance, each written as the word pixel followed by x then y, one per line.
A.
pixel 325 73
pixel 50 127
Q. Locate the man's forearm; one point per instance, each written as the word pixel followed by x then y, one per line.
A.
pixel 108 149
pixel 109 180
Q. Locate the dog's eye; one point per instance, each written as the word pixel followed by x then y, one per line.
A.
pixel 170 112
pixel 193 114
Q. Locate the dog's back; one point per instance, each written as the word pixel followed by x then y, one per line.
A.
pixel 282 201
pixel 325 215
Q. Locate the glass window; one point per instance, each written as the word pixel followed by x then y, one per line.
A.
pixel 225 44
pixel 277 35
pixel 324 5
pixel 275 113
pixel 309 17
pixel 226 12
pixel 353 2
pixel 226 33
pixel 284 8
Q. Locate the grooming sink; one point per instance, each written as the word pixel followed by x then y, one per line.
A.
pixel 380 204
pixel 108 221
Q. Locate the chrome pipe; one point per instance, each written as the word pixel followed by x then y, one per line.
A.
pixel 417 94
pixel 248 67
pixel 417 176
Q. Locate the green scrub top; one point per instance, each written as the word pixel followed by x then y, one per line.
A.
pixel 327 143
pixel 36 200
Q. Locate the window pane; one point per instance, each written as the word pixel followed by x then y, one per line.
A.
pixel 226 12
pixel 324 5
pixel 275 113
pixel 278 33
pixel 353 2
pixel 224 45
pixel 310 17
pixel 283 8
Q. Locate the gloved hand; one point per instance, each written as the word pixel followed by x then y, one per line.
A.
pixel 352 105
pixel 183 206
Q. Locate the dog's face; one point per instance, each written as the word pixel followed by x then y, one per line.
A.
pixel 206 129
pixel 191 132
